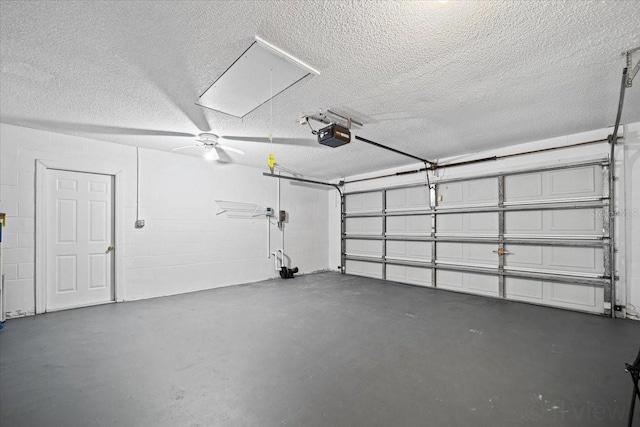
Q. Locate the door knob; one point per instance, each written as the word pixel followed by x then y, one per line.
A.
pixel 110 249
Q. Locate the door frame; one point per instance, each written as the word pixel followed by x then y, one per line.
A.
pixel 41 226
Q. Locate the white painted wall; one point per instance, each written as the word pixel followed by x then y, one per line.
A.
pixel 627 190
pixel 184 246
pixel 630 220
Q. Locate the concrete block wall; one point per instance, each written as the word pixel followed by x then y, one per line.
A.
pixel 627 190
pixel 184 245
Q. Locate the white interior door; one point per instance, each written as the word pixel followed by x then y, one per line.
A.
pixel 79 226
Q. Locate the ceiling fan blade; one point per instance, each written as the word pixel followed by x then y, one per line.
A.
pixel 186 146
pixel 86 128
pixel 232 149
pixel 261 139
pixel 223 157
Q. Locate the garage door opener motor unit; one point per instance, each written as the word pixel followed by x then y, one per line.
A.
pixel 334 135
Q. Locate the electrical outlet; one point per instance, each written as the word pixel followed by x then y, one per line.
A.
pixel 139 223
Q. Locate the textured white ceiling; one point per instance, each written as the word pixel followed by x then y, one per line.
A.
pixel 433 79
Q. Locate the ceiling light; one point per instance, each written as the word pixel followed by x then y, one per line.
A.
pixel 210 154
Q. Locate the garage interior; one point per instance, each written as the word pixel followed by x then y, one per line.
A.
pixel 319 213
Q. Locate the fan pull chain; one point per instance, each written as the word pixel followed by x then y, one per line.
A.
pixel 272 159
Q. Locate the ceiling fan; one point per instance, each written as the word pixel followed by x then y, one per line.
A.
pixel 210 141
pixel 175 83
pixel 212 148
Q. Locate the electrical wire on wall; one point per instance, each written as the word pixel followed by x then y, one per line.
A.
pixel 139 222
pixel 137 182
pixel 272 166
pixel 272 158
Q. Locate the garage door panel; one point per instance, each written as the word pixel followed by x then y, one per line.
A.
pixel 555 185
pixel 397 225
pixel 472 192
pixel 590 260
pixel 414 251
pixel 364 247
pixel 449 280
pixel 416 224
pixel 467 282
pixel 524 256
pixel 396 199
pixel 483 253
pixel 486 222
pixel 523 187
pixel 412 275
pixel 574 260
pixel 472 223
pixel 564 295
pixel 575 295
pixel 450 194
pixel 474 253
pixel 447 251
pixel 565 222
pixel 481 191
pixel 408 198
pixel 574 182
pixel 360 268
pixel 369 226
pixel 583 220
pixel 365 202
pixel 451 223
pixel 480 283
pixel 522 222
pixel 524 289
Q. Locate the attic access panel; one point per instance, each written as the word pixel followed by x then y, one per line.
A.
pixel 260 73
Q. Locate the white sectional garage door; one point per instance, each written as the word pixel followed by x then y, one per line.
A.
pixel 535 236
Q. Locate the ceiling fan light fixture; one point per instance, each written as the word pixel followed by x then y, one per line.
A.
pixel 207 138
pixel 210 154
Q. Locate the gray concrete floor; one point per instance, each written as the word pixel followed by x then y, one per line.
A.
pixel 319 350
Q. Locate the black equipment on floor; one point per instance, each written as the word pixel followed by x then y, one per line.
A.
pixel 634 370
pixel 287 273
